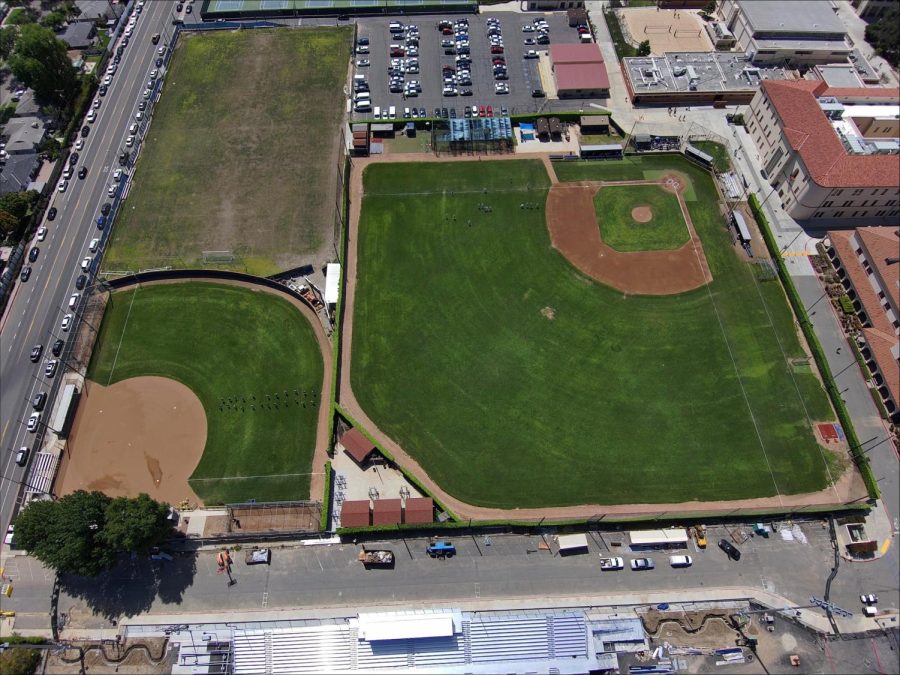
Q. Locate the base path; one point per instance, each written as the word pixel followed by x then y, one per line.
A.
pixel 143 434
pixel 572 221
pixel 847 488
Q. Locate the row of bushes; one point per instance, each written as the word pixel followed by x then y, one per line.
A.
pixel 326 499
pixel 818 353
pixel 623 49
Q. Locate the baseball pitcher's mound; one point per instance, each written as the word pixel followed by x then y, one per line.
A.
pixel 642 214
pixel 144 434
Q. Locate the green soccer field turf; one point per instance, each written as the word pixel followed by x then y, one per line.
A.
pixel 665 231
pixel 517 382
pixel 226 342
pixel 240 155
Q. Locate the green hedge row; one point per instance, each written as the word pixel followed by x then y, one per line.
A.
pixel 623 49
pixel 846 305
pixel 412 479
pixel 324 516
pixel 816 348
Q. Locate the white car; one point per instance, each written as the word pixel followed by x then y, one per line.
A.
pixel 93 245
pixel 129 141
pixel 117 175
pixel 66 323
pixel 33 421
pixel 147 94
pixel 154 74
pixel 680 560
pixel 91 116
pixel 96 103
pixel 161 50
pixel 527 29
pixel 362 63
pixel 139 116
pixel 79 144
pixel 531 54
pixel 611 563
pixel 62 185
pixel 41 233
pixel 111 69
pixel 85 265
pixel 10 533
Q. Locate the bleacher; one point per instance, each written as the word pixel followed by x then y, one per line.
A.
pixel 43 470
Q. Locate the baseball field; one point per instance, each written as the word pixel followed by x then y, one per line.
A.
pixel 516 380
pixel 253 361
pixel 240 156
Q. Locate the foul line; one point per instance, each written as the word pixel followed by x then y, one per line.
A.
pixel 762 445
pixel 122 336
pixel 483 191
pixel 271 475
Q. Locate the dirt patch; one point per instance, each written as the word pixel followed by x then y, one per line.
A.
pixel 642 214
pixel 144 434
pixel 572 222
pixel 548 313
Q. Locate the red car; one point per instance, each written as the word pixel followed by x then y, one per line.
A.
pixel 481 111
pixel 499 61
pixel 496 50
pixel 490 111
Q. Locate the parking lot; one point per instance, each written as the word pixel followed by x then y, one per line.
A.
pixel 522 73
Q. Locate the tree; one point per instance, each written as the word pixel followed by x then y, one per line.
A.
pixel 884 35
pixel 644 48
pixel 20 16
pixel 18 661
pixel 66 534
pixel 8 223
pixel 8 36
pixel 19 204
pixel 84 533
pixel 136 524
pixel 709 9
pixel 39 60
pixel 54 20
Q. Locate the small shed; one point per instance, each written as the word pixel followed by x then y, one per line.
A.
pixel 573 543
pixel 594 124
pixel 411 129
pixel 577 16
pixel 419 510
pixel 356 513
pixel 555 128
pixel 355 444
pixel 542 127
pixel 387 512
pixel 383 130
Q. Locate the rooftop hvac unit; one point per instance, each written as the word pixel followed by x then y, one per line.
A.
pixel 678 71
pixel 692 73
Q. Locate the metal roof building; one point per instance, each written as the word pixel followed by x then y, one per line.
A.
pixel 444 641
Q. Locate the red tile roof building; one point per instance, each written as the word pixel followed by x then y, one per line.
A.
pixel 387 512
pixel 868 261
pixel 355 444
pixel 815 174
pixel 579 70
pixel 419 510
pixel 356 513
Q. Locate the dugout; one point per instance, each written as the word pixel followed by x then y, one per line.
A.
pixel 61 422
pixel 699 157
pixel 608 151
pixel 642 142
pixel 740 226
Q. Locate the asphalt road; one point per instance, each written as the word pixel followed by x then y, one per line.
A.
pixel 506 567
pixel 37 309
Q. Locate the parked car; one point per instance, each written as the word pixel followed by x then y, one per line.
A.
pixel 56 350
pixel 33 421
pixel 33 254
pixel 639 564
pixel 62 185
pixel 21 460
pixel 51 365
pixel 73 159
pixel 41 233
pixel 730 549
pixel 66 322
pixel 680 560
pixel 82 172
pixel 95 243
pixel 39 401
pixel 80 282
pixel 26 273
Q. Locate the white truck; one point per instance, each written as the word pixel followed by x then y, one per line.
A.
pixel 611 563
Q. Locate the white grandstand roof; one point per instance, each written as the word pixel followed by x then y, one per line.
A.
pixel 487 642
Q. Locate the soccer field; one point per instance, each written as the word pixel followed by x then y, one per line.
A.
pixel 515 381
pixel 240 156
pixel 236 349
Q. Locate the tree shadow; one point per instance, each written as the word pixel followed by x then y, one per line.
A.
pixel 133 586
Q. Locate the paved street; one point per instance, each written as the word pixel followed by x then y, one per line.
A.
pixel 38 306
pixel 502 567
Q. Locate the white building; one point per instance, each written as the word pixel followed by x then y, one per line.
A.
pixel 831 153
pixel 797 32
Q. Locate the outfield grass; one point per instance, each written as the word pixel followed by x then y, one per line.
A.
pixel 241 154
pixel 222 342
pixel 666 231
pixel 517 382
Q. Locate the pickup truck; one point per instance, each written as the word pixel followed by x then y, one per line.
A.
pixel 376 558
pixel 612 564
pixel 440 549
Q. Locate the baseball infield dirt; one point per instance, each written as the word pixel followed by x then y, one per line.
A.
pixel 572 222
pixel 144 434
